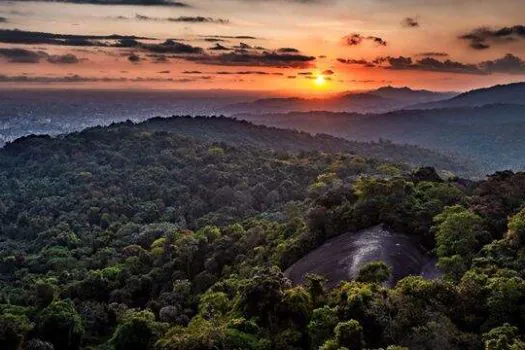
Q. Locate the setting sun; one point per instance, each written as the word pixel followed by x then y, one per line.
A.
pixel 320 80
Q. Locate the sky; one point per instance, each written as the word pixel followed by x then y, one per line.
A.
pixel 297 46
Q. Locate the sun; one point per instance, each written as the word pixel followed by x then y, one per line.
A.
pixel 320 80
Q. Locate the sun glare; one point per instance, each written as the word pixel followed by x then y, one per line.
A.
pixel 320 80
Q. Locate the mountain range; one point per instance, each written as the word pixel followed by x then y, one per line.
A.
pixel 487 125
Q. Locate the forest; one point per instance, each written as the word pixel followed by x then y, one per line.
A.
pixel 173 234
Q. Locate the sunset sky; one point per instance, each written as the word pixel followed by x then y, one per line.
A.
pixel 302 46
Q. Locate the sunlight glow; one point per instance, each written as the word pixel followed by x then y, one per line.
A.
pixel 320 80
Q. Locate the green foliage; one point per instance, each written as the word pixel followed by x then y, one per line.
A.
pixel 504 337
pixel 374 272
pixel 60 324
pixel 349 334
pixel 457 231
pixel 133 237
pixel 137 331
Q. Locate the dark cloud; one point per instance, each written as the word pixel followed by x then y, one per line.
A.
pixel 199 19
pixel 361 62
pixel 164 72
pixel 263 59
pixel 433 65
pixel 214 40
pixel 184 19
pixel 433 54
pixel 482 38
pixel 357 39
pixel 249 72
pixel 219 47
pixel 26 37
pixel 82 79
pixel 172 47
pixel 16 55
pixel 509 64
pixel 410 22
pixel 245 37
pixel 119 2
pixel 354 39
pixel 134 58
pixel 3 20
pixel 328 72
pixel 63 59
pixel 304 73
pixel 192 72
pixel 288 50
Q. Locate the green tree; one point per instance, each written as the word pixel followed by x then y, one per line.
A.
pixel 60 324
pixel 137 331
pixel 457 230
pixel 374 272
pixel 350 335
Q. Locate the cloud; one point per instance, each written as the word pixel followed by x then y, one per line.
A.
pixel 134 58
pixel 63 59
pixel 482 38
pixel 410 22
pixel 509 64
pixel 172 47
pixel 432 54
pixel 432 64
pixel 164 72
pixel 254 57
pixel 119 2
pixel 357 39
pixel 328 72
pixel 16 55
pixel 219 47
pixel 26 37
pixel 3 20
pixel 199 19
pixel 246 37
pixel 184 19
pixel 287 50
pixel 361 62
pixel 75 78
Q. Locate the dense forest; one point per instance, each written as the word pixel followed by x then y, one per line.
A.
pixel 174 234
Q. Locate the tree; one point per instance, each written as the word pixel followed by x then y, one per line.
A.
pixel 350 335
pixel 60 324
pixel 517 227
pixel 321 326
pixel 137 331
pixel 505 337
pixel 374 272
pixel 457 230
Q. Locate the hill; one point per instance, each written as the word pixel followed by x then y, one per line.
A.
pixel 134 236
pixel 499 94
pixel 492 135
pixel 245 134
pixel 380 100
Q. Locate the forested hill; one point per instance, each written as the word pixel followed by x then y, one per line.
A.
pixel 131 237
pixel 240 133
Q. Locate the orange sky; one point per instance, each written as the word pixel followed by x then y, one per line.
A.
pixel 315 31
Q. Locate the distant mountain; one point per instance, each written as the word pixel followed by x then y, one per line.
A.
pixel 499 94
pixel 408 95
pixel 384 99
pixel 492 135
